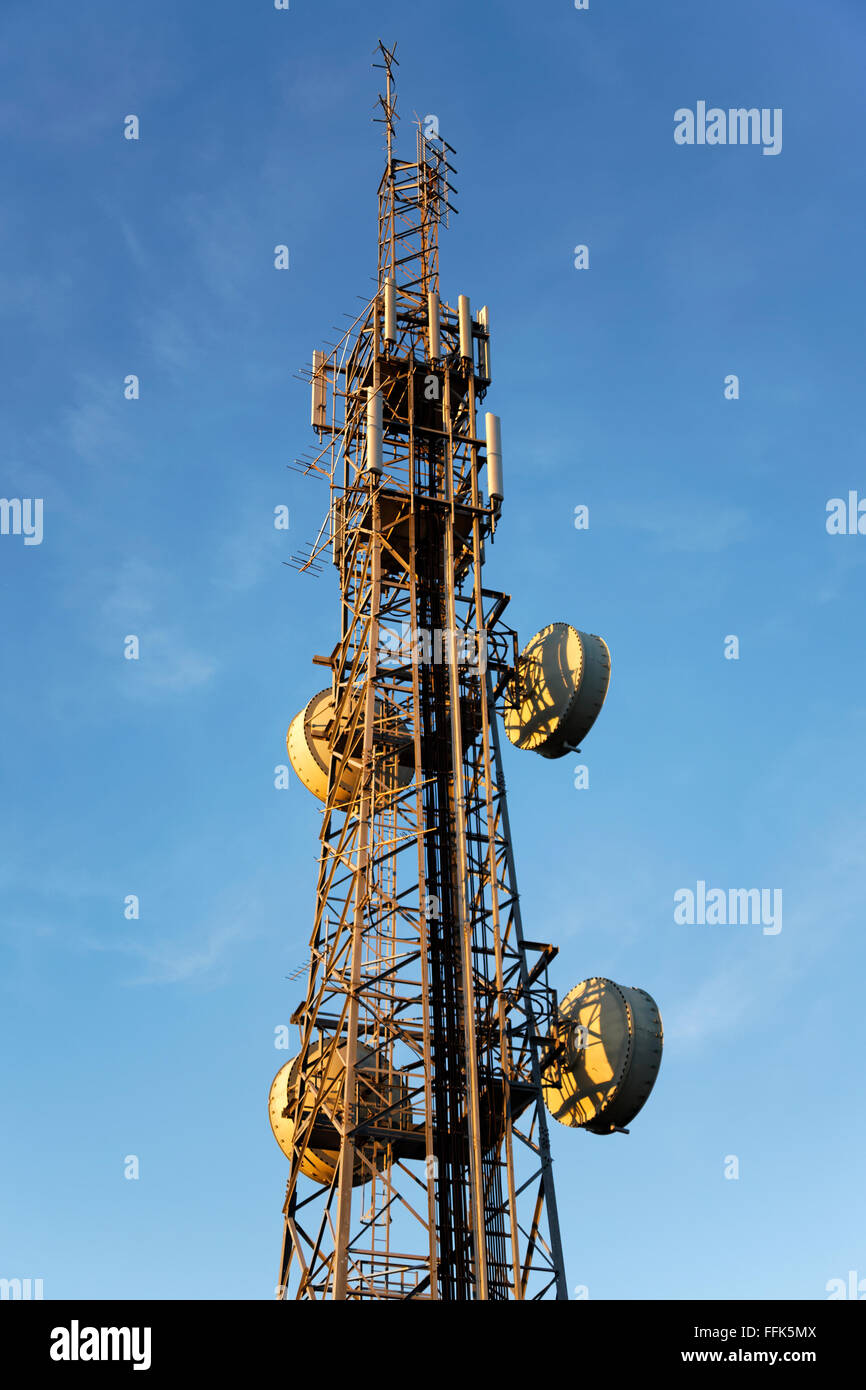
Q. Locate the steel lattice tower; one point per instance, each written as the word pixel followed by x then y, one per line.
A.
pixel 413 1113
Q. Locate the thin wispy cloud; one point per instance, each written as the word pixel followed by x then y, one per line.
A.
pixel 95 427
pixel 818 910
pixel 167 665
pixel 202 958
pixel 686 525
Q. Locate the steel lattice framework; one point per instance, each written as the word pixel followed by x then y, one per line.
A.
pixel 424 1025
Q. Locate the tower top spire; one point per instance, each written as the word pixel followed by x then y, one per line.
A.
pixel 413 196
pixel 388 100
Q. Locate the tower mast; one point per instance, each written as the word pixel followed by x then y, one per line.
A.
pixel 413 1114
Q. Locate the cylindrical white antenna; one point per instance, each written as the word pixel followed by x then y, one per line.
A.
pixel 374 431
pixel 494 458
pixel 484 320
pixel 319 410
pixel 464 314
pixel 390 310
pixel 433 326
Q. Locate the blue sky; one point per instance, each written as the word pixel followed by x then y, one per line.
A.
pixel 707 518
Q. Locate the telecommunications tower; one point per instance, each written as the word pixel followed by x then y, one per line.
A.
pixel 431 1041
